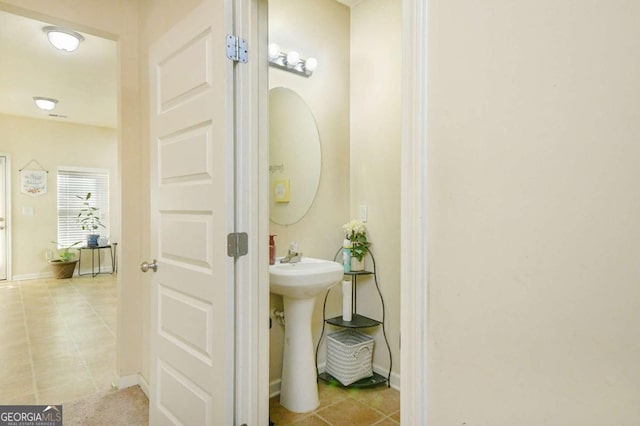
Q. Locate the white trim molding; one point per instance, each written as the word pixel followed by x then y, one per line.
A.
pixel 415 267
pixel 43 275
pixel 274 388
pixel 34 276
pixel 132 380
pixel 7 216
pixel 144 385
pixel 252 215
pixel 128 381
pixel 384 372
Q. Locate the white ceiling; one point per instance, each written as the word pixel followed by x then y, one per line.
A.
pixel 84 81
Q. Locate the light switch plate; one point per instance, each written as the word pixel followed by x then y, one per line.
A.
pixel 363 213
pixel 27 211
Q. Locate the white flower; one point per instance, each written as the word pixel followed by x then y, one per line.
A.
pixel 354 227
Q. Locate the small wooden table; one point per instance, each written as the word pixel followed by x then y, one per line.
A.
pixel 112 252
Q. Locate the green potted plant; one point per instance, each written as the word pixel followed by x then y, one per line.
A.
pixel 356 232
pixel 89 220
pixel 64 266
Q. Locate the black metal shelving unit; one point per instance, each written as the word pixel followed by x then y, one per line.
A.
pixel 357 321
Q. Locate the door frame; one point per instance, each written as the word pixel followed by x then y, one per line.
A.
pixel 7 217
pixel 252 216
pixel 414 203
pixel 414 283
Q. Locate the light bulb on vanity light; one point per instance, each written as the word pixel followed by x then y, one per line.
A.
pixel 274 51
pixel 290 61
pixel 293 58
pixel 311 64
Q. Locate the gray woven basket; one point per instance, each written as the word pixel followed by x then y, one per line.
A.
pixel 349 355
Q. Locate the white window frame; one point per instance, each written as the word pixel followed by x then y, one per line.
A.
pixel 104 217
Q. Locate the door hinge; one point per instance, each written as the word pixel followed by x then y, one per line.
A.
pixel 237 244
pixel 237 49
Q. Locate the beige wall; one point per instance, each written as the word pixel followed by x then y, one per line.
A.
pixel 116 20
pixel 376 26
pixel 52 144
pixel 533 156
pixel 317 28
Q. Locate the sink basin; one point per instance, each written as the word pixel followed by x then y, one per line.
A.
pixel 299 284
pixel 304 279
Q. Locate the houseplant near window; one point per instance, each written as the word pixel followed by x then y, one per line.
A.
pixel 89 220
pixel 356 232
pixel 64 266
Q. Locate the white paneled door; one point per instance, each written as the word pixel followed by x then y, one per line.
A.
pixel 192 356
pixel 3 218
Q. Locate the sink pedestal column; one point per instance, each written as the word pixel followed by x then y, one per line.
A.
pixel 299 387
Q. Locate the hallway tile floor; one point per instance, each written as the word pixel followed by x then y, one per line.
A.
pixel 349 407
pixel 58 339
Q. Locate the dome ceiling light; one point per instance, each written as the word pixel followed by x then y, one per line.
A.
pixel 45 104
pixel 63 39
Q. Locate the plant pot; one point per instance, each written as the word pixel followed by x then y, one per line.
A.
pixel 357 265
pixel 92 240
pixel 62 270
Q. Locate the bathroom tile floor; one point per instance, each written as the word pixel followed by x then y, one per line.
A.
pixel 353 407
pixel 57 339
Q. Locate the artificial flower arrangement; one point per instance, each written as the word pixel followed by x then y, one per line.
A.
pixel 356 232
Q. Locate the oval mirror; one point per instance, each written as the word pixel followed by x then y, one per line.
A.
pixel 294 156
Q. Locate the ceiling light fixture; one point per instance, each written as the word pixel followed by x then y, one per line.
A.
pixel 291 61
pixel 45 104
pixel 63 39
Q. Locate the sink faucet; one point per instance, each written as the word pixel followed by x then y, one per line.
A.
pixel 294 256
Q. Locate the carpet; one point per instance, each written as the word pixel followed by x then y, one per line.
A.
pixel 126 407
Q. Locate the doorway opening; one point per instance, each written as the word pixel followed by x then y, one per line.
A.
pixel 66 326
pixel 358 116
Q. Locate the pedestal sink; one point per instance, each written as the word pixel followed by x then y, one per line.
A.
pixel 299 284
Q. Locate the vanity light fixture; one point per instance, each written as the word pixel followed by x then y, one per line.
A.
pixel 291 61
pixel 62 38
pixel 45 104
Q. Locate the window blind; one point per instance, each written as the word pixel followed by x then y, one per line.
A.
pixel 78 182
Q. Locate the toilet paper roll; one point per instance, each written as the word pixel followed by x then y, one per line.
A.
pixel 346 300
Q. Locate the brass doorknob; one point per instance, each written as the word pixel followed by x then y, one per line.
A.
pixel 145 266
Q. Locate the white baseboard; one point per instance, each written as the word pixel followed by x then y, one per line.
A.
pixel 144 385
pixel 133 380
pixel 274 386
pixel 42 275
pixel 395 377
pixel 127 381
pixel 36 276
